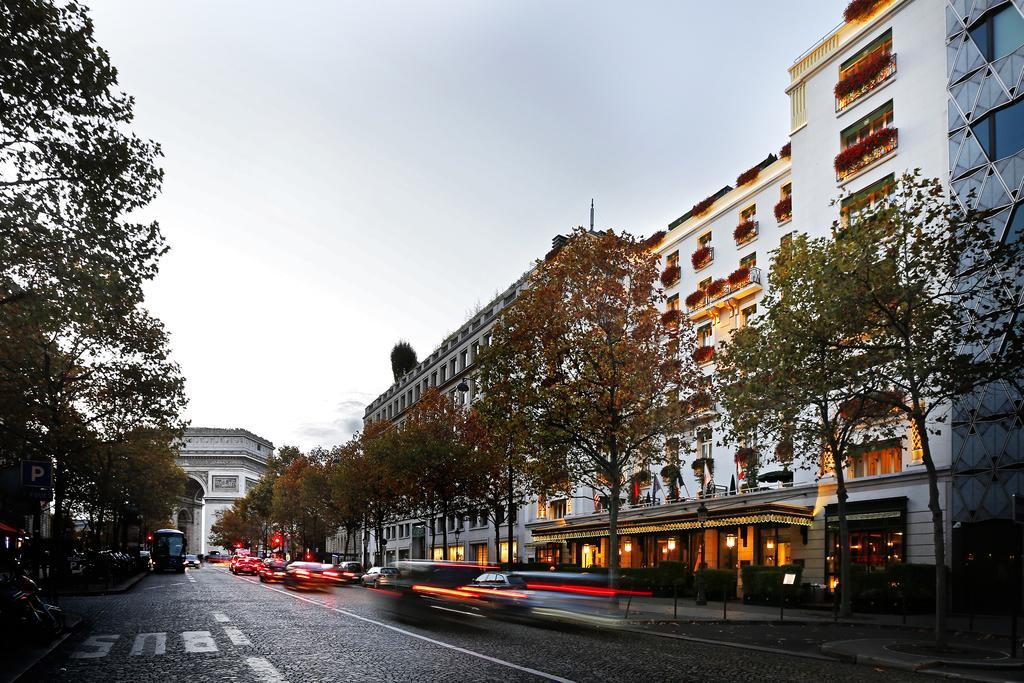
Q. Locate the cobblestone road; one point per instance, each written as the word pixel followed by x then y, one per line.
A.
pixel 211 626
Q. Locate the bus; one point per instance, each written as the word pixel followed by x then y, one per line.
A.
pixel 169 550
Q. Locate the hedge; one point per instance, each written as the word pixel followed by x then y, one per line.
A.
pixel 715 580
pixel 899 585
pixel 761 584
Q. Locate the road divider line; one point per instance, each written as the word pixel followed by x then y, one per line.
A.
pixel 264 670
pixel 412 634
pixel 236 636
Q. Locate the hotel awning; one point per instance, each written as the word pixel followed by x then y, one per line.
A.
pixel 673 518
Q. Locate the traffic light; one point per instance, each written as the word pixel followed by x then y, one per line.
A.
pixel 149 537
pixel 276 540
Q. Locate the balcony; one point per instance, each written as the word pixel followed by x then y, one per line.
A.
pixel 724 293
pixel 862 154
pixel 875 70
pixel 745 232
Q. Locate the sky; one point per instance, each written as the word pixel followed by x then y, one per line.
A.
pixel 340 176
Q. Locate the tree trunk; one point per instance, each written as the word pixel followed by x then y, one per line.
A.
pixel 938 531
pixel 444 531
pixel 845 589
pixel 512 513
pixel 613 533
pixel 498 519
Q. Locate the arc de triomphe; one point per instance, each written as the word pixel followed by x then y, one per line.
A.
pixel 221 464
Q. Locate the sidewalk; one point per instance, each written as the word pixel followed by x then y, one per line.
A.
pixel 659 609
pixel 21 662
pixel 103 588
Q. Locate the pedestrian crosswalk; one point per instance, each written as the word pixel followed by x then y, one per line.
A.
pixel 157 643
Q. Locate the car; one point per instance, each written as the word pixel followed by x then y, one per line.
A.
pixel 273 570
pixel 313 575
pixel 246 565
pixel 145 561
pixel 192 561
pixel 421 585
pixel 349 572
pixel 373 575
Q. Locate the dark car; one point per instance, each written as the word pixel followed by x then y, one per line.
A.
pixel 421 585
pixel 349 572
pixel 273 569
pixel 310 575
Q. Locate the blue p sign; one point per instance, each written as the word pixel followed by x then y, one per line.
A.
pixel 36 473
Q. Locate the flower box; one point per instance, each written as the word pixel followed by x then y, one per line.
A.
pixel 654 240
pixel 702 257
pixel 670 275
pixel 745 455
pixel 671 317
pixel 748 176
pixel 702 206
pixel 871 72
pixel 739 277
pixel 784 209
pixel 786 151
pixel 699 402
pixel 745 231
pixel 696 299
pixel 699 464
pixel 859 10
pixel 704 354
pixel 857 156
pixel 715 288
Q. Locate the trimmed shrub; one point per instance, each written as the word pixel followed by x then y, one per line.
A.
pixel 715 580
pixel 761 584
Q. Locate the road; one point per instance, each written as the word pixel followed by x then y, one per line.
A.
pixel 211 626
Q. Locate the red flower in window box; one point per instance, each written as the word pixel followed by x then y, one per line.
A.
pixel 715 287
pixel 787 150
pixel 704 354
pixel 654 240
pixel 748 176
pixel 853 157
pixel 701 257
pixel 702 206
pixel 784 209
pixel 745 231
pixel 858 10
pixel 695 299
pixel 670 275
pixel 740 276
pixel 861 76
pixel 671 317
pixel 745 455
pixel 877 405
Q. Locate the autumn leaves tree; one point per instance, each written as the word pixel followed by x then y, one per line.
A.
pixel 599 374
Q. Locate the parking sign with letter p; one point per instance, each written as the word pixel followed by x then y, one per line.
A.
pixel 36 473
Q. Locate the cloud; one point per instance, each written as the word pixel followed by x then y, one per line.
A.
pixel 346 419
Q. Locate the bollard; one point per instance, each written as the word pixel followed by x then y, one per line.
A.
pixel 629 601
pixel 782 601
pixel 675 600
pixel 725 603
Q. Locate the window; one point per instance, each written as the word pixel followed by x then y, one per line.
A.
pixel 999 34
pixel 1015 230
pixel 475 351
pixel 705 441
pixel 875 459
pixel 882 43
pixel 672 260
pixel 444 372
pixel 487 339
pixel 749 261
pixel 870 124
pixel 558 509
pixel 673 302
pixel 1001 133
pixel 402 402
pixel 787 191
pixel 703 284
pixel 464 359
pixel 417 394
pixel 705 335
pixel 748 213
pixel 451 368
pixel 867 199
pixel 542 508
pixel 704 240
pixel 746 314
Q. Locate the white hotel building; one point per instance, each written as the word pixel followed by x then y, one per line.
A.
pixel 921 84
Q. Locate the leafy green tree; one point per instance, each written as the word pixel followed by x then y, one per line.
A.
pixel 940 295
pixel 598 374
pixel 403 359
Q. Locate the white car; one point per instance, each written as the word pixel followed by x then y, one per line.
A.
pixel 372 576
pixel 192 561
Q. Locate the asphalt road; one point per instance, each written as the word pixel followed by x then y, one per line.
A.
pixel 211 626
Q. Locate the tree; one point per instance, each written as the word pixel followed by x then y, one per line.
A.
pixel 433 458
pixel 788 378
pixel 940 293
pixel 403 359
pixel 589 362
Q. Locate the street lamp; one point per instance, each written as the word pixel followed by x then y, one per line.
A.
pixel 462 387
pixel 702 518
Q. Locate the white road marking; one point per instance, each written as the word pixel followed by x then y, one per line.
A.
pixel 222 618
pixel 191 579
pixel 440 643
pixel 264 670
pixel 236 636
pixel 198 641
pixel 159 643
pixel 102 645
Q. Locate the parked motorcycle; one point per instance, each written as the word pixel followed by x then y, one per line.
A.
pixel 23 614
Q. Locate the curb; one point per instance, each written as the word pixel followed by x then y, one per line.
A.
pixel 123 587
pixel 74 623
pixel 907 665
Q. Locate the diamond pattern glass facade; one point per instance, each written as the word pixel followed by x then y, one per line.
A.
pixel 988 427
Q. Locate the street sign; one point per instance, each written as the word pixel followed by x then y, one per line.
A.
pixel 38 494
pixel 788 579
pixel 36 473
pixel 1018 508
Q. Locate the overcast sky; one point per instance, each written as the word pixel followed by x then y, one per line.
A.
pixel 340 176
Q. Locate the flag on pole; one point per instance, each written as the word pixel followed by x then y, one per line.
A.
pixel 655 487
